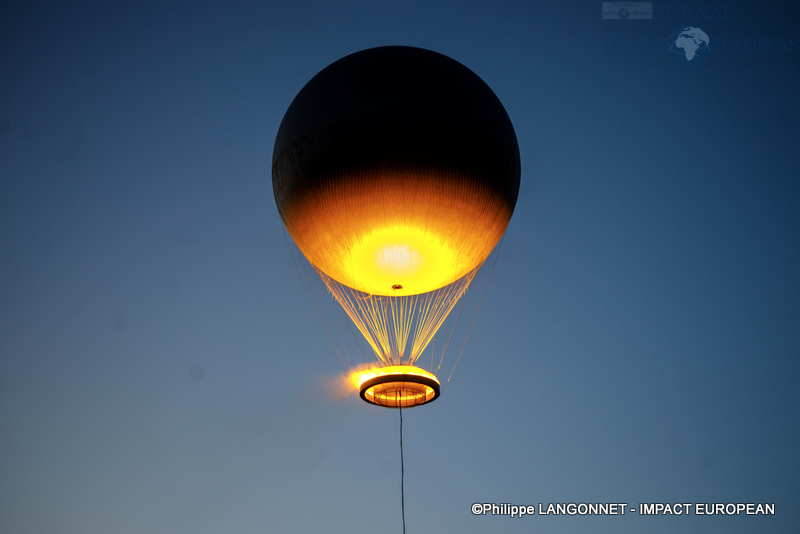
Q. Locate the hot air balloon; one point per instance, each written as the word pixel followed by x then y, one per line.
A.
pixel 396 171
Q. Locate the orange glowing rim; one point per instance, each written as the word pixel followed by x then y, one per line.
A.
pixel 398 386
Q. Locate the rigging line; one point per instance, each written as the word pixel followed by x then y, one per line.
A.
pixel 365 321
pixel 451 296
pixel 360 342
pixel 402 329
pixel 427 317
pixel 413 303
pixel 320 318
pixel 409 322
pixel 368 325
pixel 479 307
pixel 455 323
pixel 402 474
pixel 291 254
pixel 356 310
pixel 341 336
pixel 373 313
pixel 395 324
pixel 375 318
pixel 385 324
pixel 324 323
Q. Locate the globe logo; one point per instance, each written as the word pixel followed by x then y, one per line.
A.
pixel 623 13
pixel 688 45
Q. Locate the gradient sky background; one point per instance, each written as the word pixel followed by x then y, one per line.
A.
pixel 161 369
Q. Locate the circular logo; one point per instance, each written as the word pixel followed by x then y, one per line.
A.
pixel 623 13
pixel 688 45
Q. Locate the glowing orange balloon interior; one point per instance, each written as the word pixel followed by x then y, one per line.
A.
pixel 386 233
pixel 397 386
pixel 404 256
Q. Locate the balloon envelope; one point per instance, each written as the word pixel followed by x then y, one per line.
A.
pixel 396 171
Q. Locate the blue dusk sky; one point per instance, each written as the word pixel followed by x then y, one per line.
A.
pixel 162 370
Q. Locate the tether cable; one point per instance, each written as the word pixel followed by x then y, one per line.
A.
pixel 402 491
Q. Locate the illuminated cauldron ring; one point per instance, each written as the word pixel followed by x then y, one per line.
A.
pixel 393 389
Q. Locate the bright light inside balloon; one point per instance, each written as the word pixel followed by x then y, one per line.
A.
pixel 402 260
pixel 397 258
pixel 388 233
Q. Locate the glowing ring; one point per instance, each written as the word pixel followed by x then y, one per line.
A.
pixel 399 390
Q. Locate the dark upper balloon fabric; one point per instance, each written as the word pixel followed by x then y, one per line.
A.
pixel 396 170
